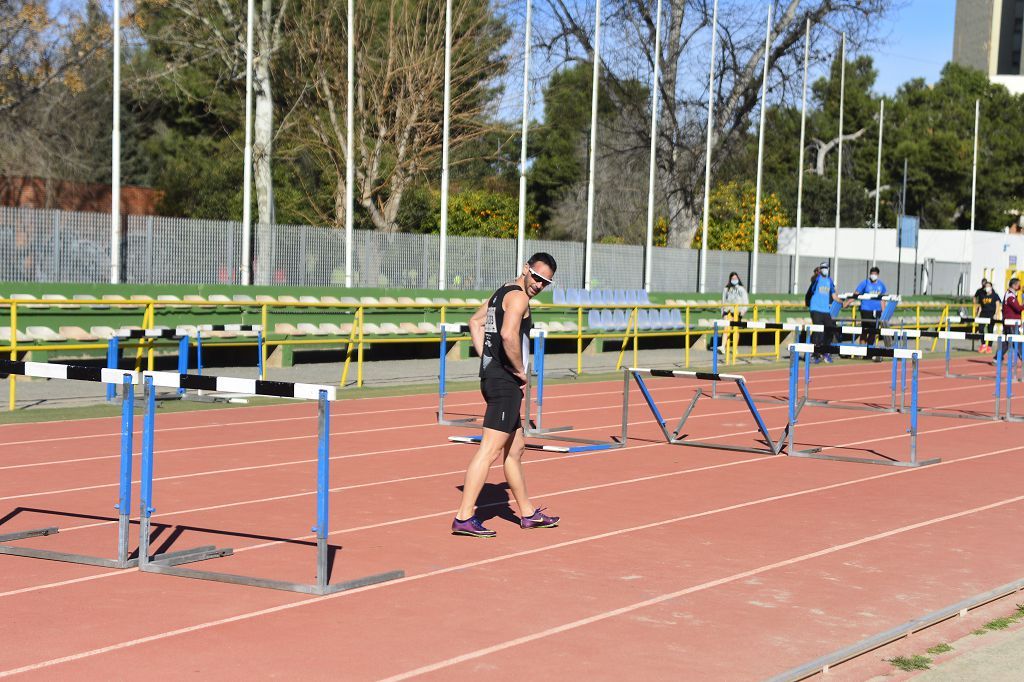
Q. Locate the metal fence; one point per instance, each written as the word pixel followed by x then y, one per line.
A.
pixel 62 246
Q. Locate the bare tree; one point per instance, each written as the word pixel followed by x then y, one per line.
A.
pixel 399 67
pixel 630 27
pixel 53 84
pixel 210 35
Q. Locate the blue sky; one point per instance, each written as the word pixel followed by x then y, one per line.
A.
pixel 919 43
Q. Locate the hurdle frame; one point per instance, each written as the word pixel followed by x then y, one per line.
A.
pixel 673 437
pixel 169 563
pixel 951 335
pixel 1015 346
pixel 183 336
pixel 531 427
pixel 127 380
pixel 794 412
pixel 442 383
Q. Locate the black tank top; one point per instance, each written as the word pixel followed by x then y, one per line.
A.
pixel 493 362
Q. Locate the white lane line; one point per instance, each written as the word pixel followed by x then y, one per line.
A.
pixel 100 486
pixel 668 596
pixel 428 424
pixel 462 567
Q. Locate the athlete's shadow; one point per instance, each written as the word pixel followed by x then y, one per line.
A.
pixel 493 501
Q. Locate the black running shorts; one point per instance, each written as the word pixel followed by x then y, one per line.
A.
pixel 504 399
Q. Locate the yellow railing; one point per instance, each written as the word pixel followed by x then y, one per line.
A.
pixel 355 342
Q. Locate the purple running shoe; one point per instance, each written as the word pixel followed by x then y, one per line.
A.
pixel 471 527
pixel 539 520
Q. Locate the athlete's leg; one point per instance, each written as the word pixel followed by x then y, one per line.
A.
pixel 492 444
pixel 514 473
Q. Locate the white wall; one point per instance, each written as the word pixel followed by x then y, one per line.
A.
pixel 982 249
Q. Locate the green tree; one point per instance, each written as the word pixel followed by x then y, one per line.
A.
pixel 933 129
pixel 731 223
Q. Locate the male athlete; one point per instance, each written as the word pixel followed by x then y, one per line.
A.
pixel 501 330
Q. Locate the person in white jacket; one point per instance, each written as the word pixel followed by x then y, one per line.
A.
pixel 733 295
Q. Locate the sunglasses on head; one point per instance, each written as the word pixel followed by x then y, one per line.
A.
pixel 540 278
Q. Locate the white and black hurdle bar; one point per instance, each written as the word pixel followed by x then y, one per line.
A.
pixel 170 564
pixel 797 349
pixel 676 437
pixel 183 336
pixel 112 377
pixel 805 330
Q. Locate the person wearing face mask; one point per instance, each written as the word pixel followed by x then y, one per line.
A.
pixel 819 298
pixel 733 295
pixel 986 304
pixel 1012 309
pixel 872 289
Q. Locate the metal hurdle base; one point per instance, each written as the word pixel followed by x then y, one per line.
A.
pixel 816 453
pixel 584 444
pixel 123 560
pixel 169 564
pixel 124 557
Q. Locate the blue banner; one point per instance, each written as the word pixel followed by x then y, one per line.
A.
pixel 908 231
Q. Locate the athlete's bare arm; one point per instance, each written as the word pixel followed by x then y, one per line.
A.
pixel 476 327
pixel 516 304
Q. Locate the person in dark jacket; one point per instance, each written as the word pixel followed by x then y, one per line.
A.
pixel 1012 309
pixel 986 304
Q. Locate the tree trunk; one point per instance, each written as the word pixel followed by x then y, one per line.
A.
pixel 684 223
pixel 262 148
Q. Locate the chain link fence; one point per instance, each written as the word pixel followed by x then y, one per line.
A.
pixel 63 246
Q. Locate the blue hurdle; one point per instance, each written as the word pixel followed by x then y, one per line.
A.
pixel 169 563
pixel 798 349
pixel 183 336
pixel 111 377
pixel 676 436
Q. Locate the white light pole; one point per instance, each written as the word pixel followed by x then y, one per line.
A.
pixel 969 250
pixel 878 182
pixel 974 170
pixel 247 154
pixel 649 253
pixel 839 168
pixel 760 155
pixel 589 261
pixel 115 156
pixel 443 263
pixel 800 168
pixel 350 162
pixel 707 155
pixel 521 242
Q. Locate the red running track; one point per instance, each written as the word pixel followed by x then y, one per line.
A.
pixel 670 563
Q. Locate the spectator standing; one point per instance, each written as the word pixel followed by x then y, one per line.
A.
pixel 734 298
pixel 986 304
pixel 870 293
pixel 819 298
pixel 1012 308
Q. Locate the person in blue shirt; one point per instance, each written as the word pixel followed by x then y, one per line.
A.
pixel 819 298
pixel 870 293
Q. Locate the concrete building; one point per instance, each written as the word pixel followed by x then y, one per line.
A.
pixel 980 253
pixel 987 35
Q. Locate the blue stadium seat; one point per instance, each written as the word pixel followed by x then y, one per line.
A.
pixel 594 320
pixel 558 296
pixel 619 317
